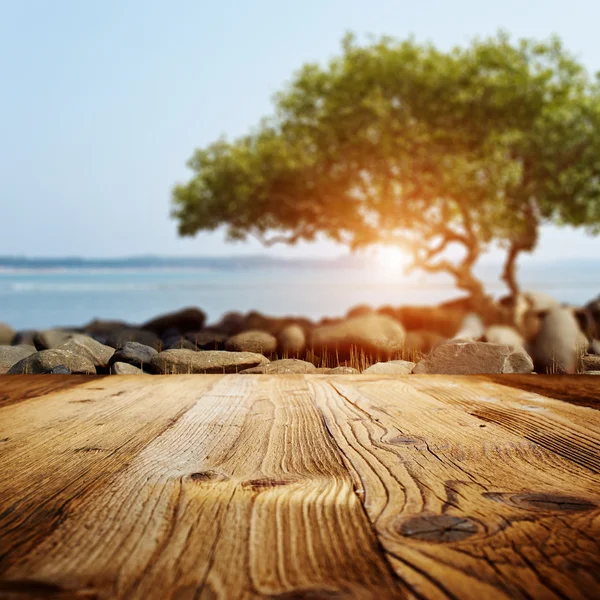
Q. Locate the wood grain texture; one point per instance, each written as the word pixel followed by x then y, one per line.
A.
pixel 296 487
pixel 242 495
pixel 465 507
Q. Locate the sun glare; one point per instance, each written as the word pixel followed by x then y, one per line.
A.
pixel 391 258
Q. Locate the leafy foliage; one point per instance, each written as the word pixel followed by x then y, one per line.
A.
pixel 399 142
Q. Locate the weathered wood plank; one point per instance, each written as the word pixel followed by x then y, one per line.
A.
pixel 243 495
pixel 467 507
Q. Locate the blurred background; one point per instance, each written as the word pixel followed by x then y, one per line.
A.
pixel 103 103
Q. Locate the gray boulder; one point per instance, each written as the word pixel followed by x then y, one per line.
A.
pixel 11 355
pixel 51 338
pixel 466 358
pixel 291 339
pixel 286 365
pixel 121 368
pixel 46 360
pixel 372 333
pixel 215 361
pixel 187 319
pixel 560 343
pixel 138 355
pixel 98 353
pixel 252 341
pixel 7 334
pixel 391 367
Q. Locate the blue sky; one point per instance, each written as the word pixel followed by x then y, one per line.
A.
pixel 103 102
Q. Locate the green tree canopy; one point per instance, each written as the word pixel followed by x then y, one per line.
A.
pixel 400 142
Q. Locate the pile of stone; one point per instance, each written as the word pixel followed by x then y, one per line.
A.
pixel 548 337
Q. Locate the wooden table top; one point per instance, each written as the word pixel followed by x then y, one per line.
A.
pixel 211 486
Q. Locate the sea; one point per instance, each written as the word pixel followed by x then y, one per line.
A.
pixel 63 297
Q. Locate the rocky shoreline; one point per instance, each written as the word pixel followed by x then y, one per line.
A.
pixel 446 339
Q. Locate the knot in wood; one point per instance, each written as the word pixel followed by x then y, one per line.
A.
pixel 438 528
pixel 543 501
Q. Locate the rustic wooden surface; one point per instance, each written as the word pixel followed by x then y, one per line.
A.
pixel 299 487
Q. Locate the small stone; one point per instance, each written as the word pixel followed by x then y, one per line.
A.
pixel 208 361
pixel 11 355
pixel 46 360
pixel 286 365
pixel 121 368
pixel 138 355
pixel 7 334
pixel 391 367
pixel 466 358
pixel 291 339
pixel 59 370
pixel 98 353
pixel 252 341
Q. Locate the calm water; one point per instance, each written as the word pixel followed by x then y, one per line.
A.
pixel 46 299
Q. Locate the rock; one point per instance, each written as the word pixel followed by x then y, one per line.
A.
pixel 471 328
pixel 121 368
pixel 559 344
pixel 100 330
pixel 360 311
pixel 181 344
pixel 285 365
pixel 391 367
pixel 45 360
pixel 51 338
pixel 231 323
pixel 252 341
pixel 291 340
pixel 207 340
pixel 465 358
pixel 208 361
pixel 591 362
pixel 503 334
pixel 135 354
pixel 6 334
pixel 121 337
pixel 589 320
pixel 374 333
pixel 59 370
pixel 342 371
pixel 187 319
pixel 24 338
pixel 98 353
pixel 11 355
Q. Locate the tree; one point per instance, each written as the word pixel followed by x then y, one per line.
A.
pixel 399 142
